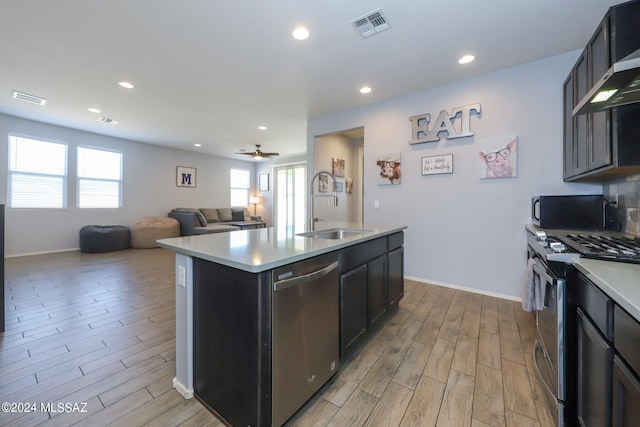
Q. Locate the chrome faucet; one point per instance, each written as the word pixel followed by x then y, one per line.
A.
pixel 312 219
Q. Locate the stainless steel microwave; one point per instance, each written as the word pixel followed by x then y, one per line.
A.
pixel 576 212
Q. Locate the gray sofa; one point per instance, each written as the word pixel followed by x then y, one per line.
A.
pixel 213 220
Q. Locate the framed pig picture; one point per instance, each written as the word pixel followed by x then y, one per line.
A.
pixel 498 158
pixel 389 165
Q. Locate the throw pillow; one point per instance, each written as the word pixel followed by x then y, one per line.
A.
pixel 247 215
pixel 201 219
pixel 224 214
pixel 210 214
pixel 237 215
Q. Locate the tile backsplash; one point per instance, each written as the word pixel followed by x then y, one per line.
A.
pixel 628 190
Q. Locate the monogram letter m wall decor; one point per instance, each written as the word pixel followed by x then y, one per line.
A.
pixel 185 177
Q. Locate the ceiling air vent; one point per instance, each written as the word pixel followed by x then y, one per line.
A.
pixel 28 98
pixel 107 120
pixel 371 23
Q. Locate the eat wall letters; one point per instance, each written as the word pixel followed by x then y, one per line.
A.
pixel 422 132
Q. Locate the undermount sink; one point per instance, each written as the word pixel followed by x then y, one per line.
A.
pixel 334 233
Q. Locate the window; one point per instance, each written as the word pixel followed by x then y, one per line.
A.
pixel 239 187
pixel 99 178
pixel 37 174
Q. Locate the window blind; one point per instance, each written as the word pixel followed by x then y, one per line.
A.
pixel 37 174
pixel 99 178
pixel 240 187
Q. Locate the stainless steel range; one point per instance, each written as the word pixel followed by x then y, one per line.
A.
pixel 550 254
pixel 549 263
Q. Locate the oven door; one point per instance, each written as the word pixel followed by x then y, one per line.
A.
pixel 549 347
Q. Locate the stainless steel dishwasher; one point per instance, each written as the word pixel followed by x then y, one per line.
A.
pixel 305 334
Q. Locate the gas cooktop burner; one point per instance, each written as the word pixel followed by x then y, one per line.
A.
pixel 612 248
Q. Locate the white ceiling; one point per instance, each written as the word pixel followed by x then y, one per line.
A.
pixel 211 72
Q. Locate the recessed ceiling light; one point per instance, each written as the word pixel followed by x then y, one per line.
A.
pixel 262 127
pixel 94 110
pixel 466 59
pixel 126 85
pixel 300 33
pixel 365 89
pixel 197 145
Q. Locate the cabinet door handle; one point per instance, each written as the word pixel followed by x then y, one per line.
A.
pixel 298 280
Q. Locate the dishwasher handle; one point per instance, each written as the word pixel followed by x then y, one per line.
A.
pixel 298 280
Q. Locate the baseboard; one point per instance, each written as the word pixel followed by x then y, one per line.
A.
pixel 463 288
pixel 42 253
pixel 187 393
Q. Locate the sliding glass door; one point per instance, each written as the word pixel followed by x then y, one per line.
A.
pixel 290 198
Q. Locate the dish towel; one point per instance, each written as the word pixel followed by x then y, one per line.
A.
pixel 533 297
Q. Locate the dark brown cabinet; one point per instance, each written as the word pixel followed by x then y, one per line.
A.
pixel 395 285
pixel 605 143
pixel 377 289
pixel 626 395
pixel 606 360
pixel 595 355
pixel 626 365
pixel 353 307
pixel 371 284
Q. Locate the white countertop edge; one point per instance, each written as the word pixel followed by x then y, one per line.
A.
pixel 175 245
pixel 620 281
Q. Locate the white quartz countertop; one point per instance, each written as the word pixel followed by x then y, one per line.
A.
pixel 619 280
pixel 267 248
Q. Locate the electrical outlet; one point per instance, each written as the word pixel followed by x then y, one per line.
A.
pixel 182 279
pixel 376 204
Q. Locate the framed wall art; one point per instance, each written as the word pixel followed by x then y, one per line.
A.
pixel 323 183
pixel 338 168
pixel 185 176
pixel 263 182
pixel 436 165
pixel 499 158
pixel 390 173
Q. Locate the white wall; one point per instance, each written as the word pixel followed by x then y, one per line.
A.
pixel 149 187
pixel 463 231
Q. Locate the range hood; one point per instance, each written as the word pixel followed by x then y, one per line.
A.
pixel 619 86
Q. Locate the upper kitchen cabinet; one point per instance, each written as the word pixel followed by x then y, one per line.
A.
pixel 606 143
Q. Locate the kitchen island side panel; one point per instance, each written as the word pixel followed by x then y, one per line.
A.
pixel 232 342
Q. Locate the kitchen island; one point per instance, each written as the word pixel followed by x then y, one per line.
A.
pixel 227 347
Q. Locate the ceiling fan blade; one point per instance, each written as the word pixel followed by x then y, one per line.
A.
pixel 269 154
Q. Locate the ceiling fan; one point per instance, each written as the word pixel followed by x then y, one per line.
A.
pixel 257 153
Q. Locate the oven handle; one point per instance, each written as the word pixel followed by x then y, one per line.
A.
pixel 543 273
pixel 536 347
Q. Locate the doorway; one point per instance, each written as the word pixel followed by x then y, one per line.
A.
pixel 290 193
pixel 347 148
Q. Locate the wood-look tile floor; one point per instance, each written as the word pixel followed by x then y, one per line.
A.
pixel 98 330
